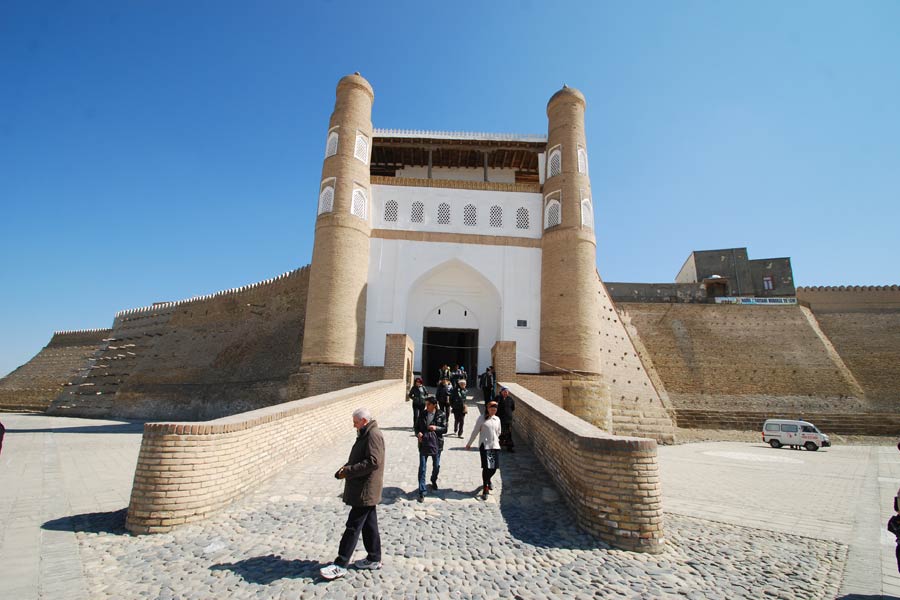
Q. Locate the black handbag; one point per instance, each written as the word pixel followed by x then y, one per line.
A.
pixel 893 524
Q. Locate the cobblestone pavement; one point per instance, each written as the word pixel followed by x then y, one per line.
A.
pixel 521 542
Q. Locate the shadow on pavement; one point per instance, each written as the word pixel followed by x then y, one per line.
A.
pixel 533 508
pixel 136 427
pixel 390 495
pixel 263 570
pixel 98 522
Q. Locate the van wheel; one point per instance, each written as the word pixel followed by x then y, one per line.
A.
pixel 775 443
pixel 811 446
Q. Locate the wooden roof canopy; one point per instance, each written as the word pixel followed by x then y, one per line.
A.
pixel 392 153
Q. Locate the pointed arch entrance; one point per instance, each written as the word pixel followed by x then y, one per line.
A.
pixel 453 315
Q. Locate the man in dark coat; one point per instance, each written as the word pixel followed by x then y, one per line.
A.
pixel 430 429
pixel 486 383
pixel 442 393
pixel 363 476
pixel 417 393
pixel 505 409
pixel 458 404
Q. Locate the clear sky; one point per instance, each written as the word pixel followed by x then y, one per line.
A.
pixel 154 151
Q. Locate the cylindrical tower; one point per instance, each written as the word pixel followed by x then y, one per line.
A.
pixel 336 303
pixel 570 307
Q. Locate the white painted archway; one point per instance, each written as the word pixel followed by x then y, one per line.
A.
pixel 455 295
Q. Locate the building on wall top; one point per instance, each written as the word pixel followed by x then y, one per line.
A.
pixel 730 272
pixel 709 274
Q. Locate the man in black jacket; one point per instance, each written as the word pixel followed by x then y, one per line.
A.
pixel 430 429
pixel 505 409
pixel 417 393
pixel 486 383
pixel 363 476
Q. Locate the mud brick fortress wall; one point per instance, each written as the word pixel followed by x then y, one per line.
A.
pixel 188 471
pixel 834 360
pixel 610 482
pixel 863 324
pixel 35 384
pixel 739 357
pixel 197 359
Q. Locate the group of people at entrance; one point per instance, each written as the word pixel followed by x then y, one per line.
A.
pixel 363 473
pixel 431 416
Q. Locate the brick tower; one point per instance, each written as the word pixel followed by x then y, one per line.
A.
pixel 336 305
pixel 569 299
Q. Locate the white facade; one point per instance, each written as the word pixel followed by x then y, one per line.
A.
pixel 431 200
pixel 492 288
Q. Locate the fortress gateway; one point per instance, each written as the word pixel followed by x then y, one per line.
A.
pixel 481 249
pixel 462 241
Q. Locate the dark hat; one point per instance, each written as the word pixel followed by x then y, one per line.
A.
pixel 418 379
pixel 504 388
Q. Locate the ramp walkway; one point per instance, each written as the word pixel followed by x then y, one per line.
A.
pixel 67 483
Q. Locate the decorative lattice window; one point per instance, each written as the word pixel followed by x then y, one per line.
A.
pixel 326 200
pixel 417 213
pixel 587 214
pixel 522 219
pixel 390 211
pixel 496 216
pixel 331 144
pixel 554 165
pixel 361 149
pixel 552 213
pixel 582 160
pixel 360 205
pixel 443 214
pixel 470 216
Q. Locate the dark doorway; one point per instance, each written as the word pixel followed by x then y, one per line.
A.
pixel 448 347
pixel 717 289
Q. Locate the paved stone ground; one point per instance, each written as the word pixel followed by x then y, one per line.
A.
pixel 729 535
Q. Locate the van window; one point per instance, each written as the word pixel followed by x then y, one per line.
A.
pixel 789 428
pixel 807 429
pixel 772 427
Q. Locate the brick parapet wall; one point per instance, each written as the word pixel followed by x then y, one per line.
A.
pixel 548 387
pixel 188 471
pixel 321 379
pixel 611 483
pixel 828 422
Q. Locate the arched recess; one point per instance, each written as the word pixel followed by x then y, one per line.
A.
pixel 454 296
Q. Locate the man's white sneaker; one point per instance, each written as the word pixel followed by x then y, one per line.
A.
pixel 332 571
pixel 365 563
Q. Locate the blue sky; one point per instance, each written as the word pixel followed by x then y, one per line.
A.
pixel 155 151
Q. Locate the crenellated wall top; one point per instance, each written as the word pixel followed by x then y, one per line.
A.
pixel 81 331
pixel 237 290
pixel 848 288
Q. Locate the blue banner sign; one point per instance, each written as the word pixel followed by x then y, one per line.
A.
pixel 756 301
